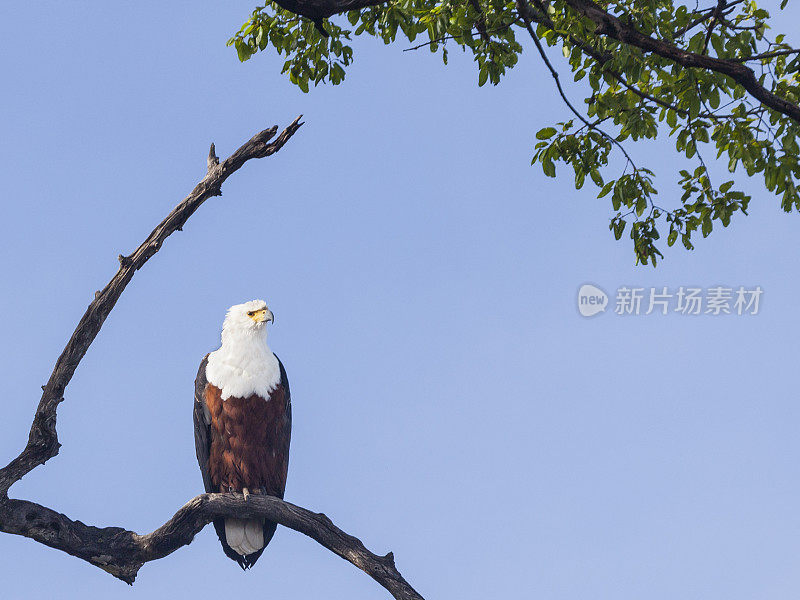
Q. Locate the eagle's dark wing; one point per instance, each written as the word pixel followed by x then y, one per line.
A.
pixel 202 446
pixel 202 425
pixel 286 393
pixel 287 423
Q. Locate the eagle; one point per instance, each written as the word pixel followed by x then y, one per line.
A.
pixel 243 424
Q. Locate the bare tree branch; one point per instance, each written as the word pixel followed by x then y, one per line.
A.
pixel 122 553
pixel 43 439
pixel 116 550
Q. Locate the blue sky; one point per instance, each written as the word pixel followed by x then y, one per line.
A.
pixel 450 404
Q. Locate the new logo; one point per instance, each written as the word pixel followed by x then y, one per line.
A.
pixel 591 300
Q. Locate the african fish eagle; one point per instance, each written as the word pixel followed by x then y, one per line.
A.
pixel 242 425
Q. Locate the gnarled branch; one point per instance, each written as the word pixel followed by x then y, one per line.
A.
pixel 122 552
pixel 43 438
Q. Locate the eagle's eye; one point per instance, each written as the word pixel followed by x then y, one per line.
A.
pixel 251 313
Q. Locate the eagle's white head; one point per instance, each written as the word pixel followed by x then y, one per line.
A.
pixel 244 364
pixel 246 319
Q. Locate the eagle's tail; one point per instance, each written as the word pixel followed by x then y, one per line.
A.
pixel 244 536
pixel 241 533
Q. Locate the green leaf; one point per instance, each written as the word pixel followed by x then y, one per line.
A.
pixel 706 226
pixel 243 51
pixel 672 117
pixel 483 75
pixel 546 133
pixel 606 189
pixel 619 228
pixel 673 235
pixel 641 205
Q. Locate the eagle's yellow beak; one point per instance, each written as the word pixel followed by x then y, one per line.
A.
pixel 262 316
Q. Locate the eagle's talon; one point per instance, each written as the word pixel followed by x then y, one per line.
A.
pixel 246 493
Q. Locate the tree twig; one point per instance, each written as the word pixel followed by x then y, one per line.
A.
pixel 522 9
pixel 715 15
pixel 450 37
pixel 704 17
pixel 764 55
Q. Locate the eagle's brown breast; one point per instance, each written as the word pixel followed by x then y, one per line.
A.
pixel 249 442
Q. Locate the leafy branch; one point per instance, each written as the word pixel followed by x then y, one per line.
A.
pixel 707 78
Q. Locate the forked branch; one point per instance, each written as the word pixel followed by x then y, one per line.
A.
pixel 122 552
